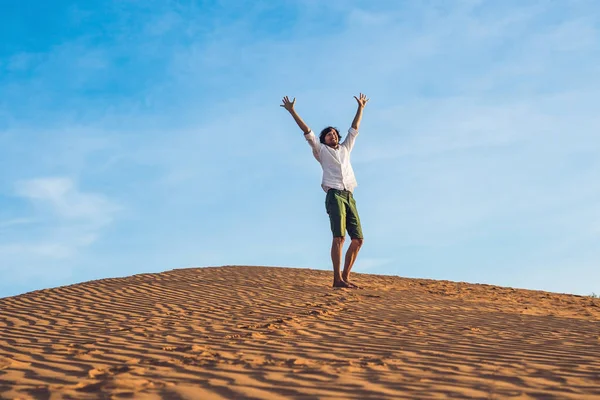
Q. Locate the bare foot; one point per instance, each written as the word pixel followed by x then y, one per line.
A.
pixel 352 285
pixel 340 284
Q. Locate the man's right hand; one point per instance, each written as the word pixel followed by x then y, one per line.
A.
pixel 287 104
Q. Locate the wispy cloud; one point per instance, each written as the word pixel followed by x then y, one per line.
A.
pixel 67 201
pixel 64 219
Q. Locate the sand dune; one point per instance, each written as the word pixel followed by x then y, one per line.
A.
pixel 280 333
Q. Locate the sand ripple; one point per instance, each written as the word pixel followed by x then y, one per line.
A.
pixel 280 333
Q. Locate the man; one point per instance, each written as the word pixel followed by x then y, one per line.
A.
pixel 339 183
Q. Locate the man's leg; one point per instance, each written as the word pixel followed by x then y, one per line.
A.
pixel 351 254
pixel 337 217
pixel 336 259
pixel 355 231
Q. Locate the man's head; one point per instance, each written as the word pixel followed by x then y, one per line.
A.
pixel 330 136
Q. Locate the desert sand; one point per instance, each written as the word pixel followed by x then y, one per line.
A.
pixel 280 333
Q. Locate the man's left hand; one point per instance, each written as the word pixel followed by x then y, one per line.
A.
pixel 362 100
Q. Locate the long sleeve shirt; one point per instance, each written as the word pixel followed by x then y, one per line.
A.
pixel 337 170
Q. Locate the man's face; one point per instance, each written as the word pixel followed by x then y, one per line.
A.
pixel 331 138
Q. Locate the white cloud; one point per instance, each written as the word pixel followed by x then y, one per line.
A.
pixel 67 201
pixel 65 220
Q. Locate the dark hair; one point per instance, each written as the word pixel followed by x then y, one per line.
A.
pixel 324 132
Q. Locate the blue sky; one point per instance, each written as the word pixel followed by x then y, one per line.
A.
pixel 145 136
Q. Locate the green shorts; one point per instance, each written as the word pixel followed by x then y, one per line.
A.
pixel 341 207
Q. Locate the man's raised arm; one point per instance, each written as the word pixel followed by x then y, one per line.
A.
pixel 289 105
pixel 362 102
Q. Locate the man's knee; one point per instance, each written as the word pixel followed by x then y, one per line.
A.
pixel 358 241
pixel 339 240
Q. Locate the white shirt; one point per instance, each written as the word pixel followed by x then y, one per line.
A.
pixel 337 170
